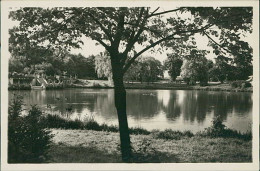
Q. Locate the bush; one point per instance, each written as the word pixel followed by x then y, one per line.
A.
pixel 138 131
pixel 93 125
pixel 218 129
pixel 55 121
pixel 28 140
pixel 240 84
pixel 96 85
pixel 236 84
pixel 246 85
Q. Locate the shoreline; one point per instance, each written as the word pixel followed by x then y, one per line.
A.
pixel 235 86
pixel 206 88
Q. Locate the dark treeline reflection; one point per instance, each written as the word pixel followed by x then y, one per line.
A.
pixel 192 106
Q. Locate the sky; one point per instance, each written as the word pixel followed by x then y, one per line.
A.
pixel 90 48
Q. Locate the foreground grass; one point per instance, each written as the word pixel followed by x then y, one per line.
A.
pixel 88 146
pixel 90 142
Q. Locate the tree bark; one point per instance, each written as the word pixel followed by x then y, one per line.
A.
pixel 120 104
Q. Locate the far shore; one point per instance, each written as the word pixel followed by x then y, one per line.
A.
pixel 163 85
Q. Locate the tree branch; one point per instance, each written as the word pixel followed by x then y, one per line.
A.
pixel 139 32
pixel 170 37
pixel 147 29
pixel 160 13
pixel 217 43
pixel 103 44
pixel 155 11
pixel 102 27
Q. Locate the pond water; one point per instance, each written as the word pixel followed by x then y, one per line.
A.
pixel 150 109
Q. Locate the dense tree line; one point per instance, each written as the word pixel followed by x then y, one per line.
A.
pixel 195 66
pixel 55 63
pixel 145 69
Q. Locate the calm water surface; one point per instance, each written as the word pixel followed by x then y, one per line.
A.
pixel 151 109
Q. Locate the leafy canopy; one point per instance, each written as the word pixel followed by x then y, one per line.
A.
pixel 119 30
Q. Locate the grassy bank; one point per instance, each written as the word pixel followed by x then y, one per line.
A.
pixel 164 85
pixel 90 142
pixel 218 129
pixel 173 86
pixel 74 141
pixel 87 146
pixel 223 87
pixel 104 84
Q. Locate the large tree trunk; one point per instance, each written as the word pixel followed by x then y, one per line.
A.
pixel 120 104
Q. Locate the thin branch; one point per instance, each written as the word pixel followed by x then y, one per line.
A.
pixel 134 37
pixel 102 27
pixel 160 13
pixel 157 32
pixel 170 37
pixel 217 43
pixel 103 44
pixel 155 11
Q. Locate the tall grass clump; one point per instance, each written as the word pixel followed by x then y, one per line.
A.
pixel 55 121
pixel 169 134
pixel 218 129
pixel 28 140
pixel 138 130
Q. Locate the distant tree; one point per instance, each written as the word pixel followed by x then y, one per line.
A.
pixel 80 66
pixel 215 74
pixel 221 70
pixel 151 69
pixel 134 72
pixel 46 67
pixel 15 65
pixel 90 70
pixel 210 64
pixel 173 65
pixel 195 67
pixel 103 66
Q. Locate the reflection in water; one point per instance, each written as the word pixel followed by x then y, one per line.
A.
pixel 151 109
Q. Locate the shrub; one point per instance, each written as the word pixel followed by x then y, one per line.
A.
pixel 246 85
pixel 111 128
pixel 236 84
pixel 93 125
pixel 218 129
pixel 55 121
pixel 240 84
pixel 96 85
pixel 138 130
pixel 28 140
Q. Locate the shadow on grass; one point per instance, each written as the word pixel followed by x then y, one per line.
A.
pixel 79 154
pixel 155 157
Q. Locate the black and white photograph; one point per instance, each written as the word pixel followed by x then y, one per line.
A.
pixel 166 85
